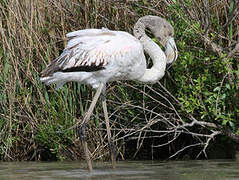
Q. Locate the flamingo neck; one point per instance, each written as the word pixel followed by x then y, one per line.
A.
pixel 157 71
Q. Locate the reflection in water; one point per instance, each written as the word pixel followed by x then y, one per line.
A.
pixel 170 170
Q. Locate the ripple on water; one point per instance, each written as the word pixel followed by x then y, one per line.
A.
pixel 80 173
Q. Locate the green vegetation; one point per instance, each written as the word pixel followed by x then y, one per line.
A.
pixel 200 88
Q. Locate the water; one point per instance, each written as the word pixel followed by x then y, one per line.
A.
pixel 132 170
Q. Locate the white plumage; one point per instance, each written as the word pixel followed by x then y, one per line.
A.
pixel 94 56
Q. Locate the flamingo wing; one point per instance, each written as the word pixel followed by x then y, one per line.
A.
pixel 87 50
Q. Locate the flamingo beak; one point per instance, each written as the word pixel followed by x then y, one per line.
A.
pixel 171 51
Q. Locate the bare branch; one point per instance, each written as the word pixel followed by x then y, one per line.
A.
pixel 183 149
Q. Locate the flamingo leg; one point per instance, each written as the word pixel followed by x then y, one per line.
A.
pixel 82 133
pixel 83 138
pixel 110 139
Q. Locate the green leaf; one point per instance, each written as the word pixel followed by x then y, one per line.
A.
pixel 216 89
pixel 224 122
pixel 228 86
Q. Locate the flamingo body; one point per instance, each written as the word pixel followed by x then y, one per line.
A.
pixel 94 56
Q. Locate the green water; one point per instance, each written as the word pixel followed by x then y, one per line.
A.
pixel 147 170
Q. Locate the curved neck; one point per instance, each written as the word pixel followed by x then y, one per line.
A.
pixel 157 71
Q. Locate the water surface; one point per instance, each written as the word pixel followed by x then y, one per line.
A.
pixel 133 170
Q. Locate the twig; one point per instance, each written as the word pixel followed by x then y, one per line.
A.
pixel 186 147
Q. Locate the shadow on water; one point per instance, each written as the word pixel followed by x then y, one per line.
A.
pixel 170 170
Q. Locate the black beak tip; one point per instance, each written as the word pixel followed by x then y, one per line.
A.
pixel 169 65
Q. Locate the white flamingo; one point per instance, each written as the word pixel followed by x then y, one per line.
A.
pixel 97 56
